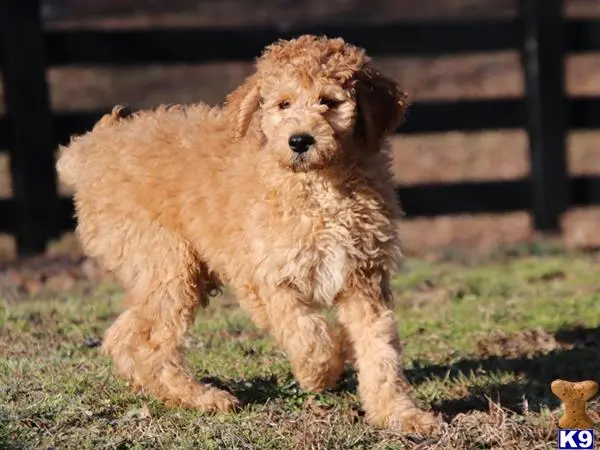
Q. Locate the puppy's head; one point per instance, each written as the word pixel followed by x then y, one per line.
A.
pixel 316 102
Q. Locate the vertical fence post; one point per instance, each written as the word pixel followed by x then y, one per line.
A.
pixel 30 122
pixel 543 63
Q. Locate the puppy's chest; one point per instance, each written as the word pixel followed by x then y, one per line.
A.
pixel 323 250
pixel 313 241
pixel 325 259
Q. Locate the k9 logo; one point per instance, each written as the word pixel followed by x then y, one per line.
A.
pixel 575 439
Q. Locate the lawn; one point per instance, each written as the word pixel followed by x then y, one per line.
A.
pixel 483 340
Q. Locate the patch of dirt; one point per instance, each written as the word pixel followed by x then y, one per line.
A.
pixel 48 275
pixel 548 277
pixel 427 293
pixel 517 345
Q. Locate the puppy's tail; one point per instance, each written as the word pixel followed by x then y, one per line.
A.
pixel 117 114
pixel 67 165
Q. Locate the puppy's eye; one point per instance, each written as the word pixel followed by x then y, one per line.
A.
pixel 284 104
pixel 329 102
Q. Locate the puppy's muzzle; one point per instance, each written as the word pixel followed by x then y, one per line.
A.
pixel 300 143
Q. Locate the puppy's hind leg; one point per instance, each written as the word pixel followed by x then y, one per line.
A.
pixel 164 291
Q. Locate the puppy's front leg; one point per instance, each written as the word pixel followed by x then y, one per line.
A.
pixel 314 351
pixel 371 326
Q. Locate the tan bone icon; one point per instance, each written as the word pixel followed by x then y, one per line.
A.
pixel 574 396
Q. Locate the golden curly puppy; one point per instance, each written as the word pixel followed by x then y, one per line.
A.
pixel 285 194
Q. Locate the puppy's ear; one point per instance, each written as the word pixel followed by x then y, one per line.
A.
pixel 381 105
pixel 242 104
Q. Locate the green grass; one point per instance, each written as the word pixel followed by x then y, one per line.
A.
pixel 482 343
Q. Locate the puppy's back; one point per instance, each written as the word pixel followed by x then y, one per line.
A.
pixel 67 165
pixel 131 145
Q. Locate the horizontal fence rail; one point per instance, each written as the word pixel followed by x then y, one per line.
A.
pixel 425 200
pixel 173 46
pixel 423 117
pixel 583 113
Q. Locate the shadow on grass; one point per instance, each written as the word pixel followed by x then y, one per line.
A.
pixel 7 444
pixel 580 361
pixel 257 390
pixel 7 439
pixel 260 390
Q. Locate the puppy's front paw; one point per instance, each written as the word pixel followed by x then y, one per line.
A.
pixel 214 400
pixel 415 421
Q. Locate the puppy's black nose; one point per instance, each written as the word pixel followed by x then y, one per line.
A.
pixel 300 143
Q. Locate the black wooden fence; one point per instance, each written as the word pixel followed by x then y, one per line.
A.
pixel 30 131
